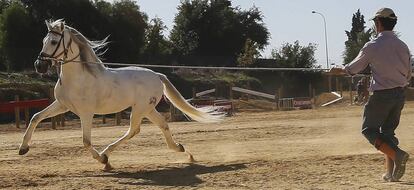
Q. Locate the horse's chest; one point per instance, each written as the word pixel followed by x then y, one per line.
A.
pixel 74 100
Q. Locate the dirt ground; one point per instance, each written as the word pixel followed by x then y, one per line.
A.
pixel 304 149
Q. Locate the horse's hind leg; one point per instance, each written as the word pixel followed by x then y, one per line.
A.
pixel 135 122
pixel 52 110
pixel 156 118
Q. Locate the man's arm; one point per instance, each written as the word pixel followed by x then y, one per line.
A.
pixel 361 61
pixel 357 65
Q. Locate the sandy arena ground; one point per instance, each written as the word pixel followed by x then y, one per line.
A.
pixel 304 149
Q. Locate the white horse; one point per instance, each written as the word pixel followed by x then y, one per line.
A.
pixel 86 89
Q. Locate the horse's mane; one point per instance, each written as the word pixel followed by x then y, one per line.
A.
pixel 89 50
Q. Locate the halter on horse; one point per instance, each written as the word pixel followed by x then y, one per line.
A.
pixel 86 88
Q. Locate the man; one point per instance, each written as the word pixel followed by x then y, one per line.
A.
pixel 389 59
pixel 360 90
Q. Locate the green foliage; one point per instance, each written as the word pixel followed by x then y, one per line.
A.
pixel 155 43
pixel 357 37
pixel 249 54
pixel 295 55
pixel 22 28
pixel 211 77
pixel 215 28
pixel 128 26
pixel 211 29
pixel 16 39
pixel 4 4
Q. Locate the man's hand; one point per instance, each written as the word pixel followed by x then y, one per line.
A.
pixel 337 71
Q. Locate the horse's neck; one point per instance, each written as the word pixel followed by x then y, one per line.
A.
pixel 77 71
pixel 74 71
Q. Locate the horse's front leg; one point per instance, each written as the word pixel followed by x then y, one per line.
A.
pixel 52 110
pixel 86 124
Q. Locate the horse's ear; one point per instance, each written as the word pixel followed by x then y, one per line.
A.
pixel 49 27
pixel 62 26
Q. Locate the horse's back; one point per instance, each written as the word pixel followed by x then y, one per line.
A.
pixel 139 75
pixel 128 86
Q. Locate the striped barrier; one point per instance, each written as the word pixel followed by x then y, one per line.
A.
pixel 286 103
pixel 295 103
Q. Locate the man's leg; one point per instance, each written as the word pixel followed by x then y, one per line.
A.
pixel 387 131
pixel 375 113
pixel 389 167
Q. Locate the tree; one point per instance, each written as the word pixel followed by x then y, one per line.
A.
pixel 122 20
pixel 3 65
pixel 357 37
pixel 93 26
pixel 295 56
pixel 127 29
pixel 17 41
pixel 4 4
pixel 249 54
pixel 22 27
pixel 155 43
pixel 215 28
pixel 253 26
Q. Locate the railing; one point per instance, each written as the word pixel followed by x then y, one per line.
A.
pixel 17 105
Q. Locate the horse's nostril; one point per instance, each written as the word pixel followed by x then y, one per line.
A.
pixel 41 66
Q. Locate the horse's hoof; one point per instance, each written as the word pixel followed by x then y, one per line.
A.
pixel 107 167
pixel 191 159
pixel 180 147
pixel 104 159
pixel 23 151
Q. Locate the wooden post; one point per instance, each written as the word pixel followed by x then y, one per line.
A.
pixel 336 84
pixel 314 93
pixel 330 83
pixel 231 91
pixel 172 115
pixel 279 96
pixel 281 92
pixel 248 87
pixel 350 91
pixel 52 98
pixel 53 122
pixel 62 120
pixel 103 119
pixel 58 120
pixel 118 118
pixel 314 97
pixel 194 93
pixel 217 90
pixel 277 99
pixel 26 115
pixel 341 88
pixel 310 90
pixel 17 112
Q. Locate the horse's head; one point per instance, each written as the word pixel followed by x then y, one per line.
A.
pixel 55 46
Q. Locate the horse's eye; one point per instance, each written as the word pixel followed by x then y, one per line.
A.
pixel 53 42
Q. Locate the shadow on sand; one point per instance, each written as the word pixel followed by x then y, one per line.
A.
pixel 186 176
pixel 410 183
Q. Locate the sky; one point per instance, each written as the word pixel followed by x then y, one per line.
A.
pixel 291 20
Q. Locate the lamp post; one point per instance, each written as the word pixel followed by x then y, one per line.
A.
pixel 326 38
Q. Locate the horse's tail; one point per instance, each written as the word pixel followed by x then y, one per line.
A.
pixel 178 101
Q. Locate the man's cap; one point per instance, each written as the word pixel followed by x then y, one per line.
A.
pixel 385 13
